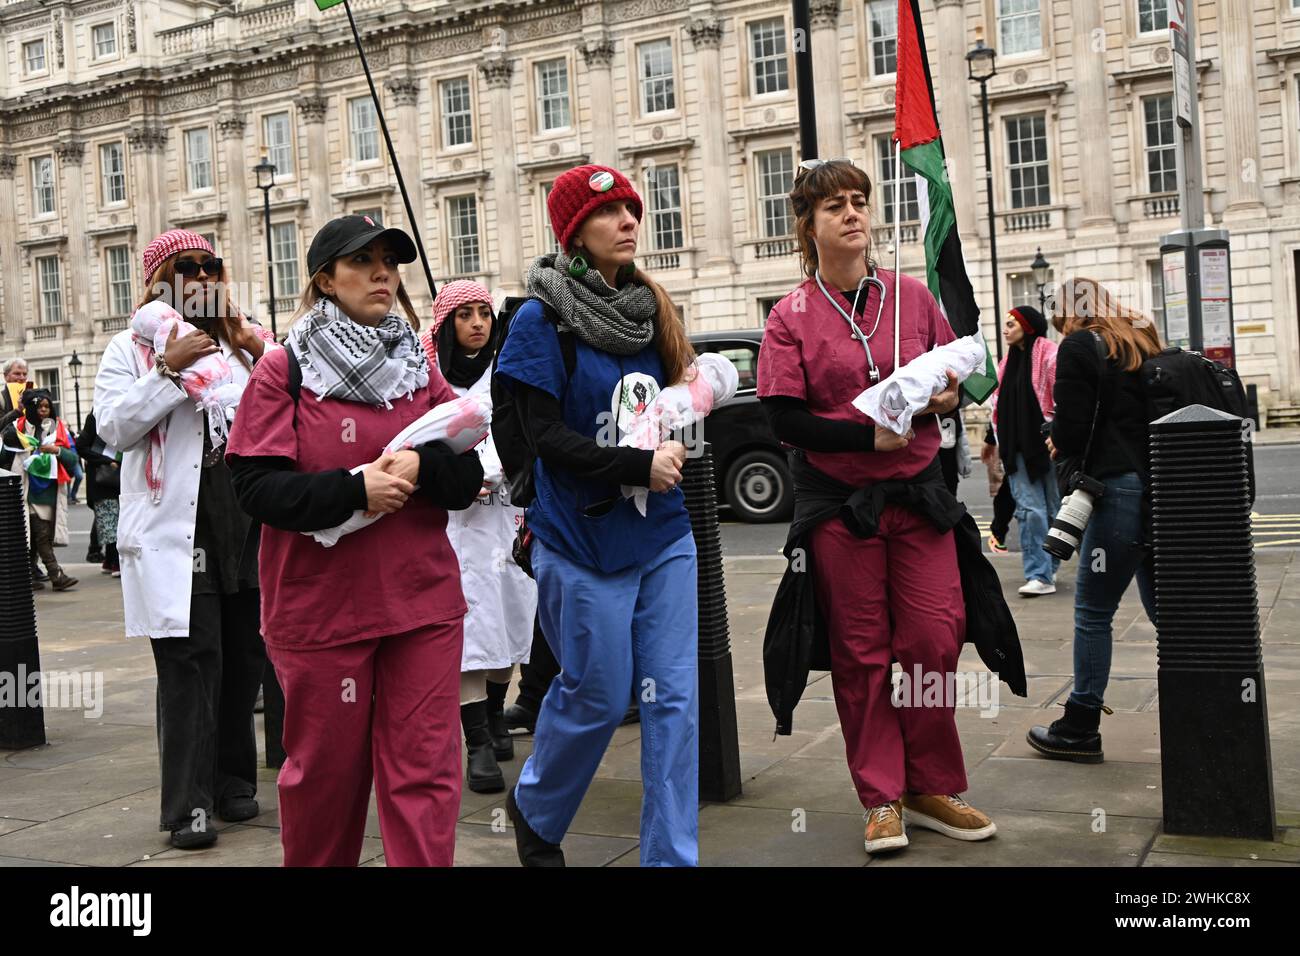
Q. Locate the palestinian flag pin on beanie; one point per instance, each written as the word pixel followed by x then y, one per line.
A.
pixel 582 190
pixel 601 182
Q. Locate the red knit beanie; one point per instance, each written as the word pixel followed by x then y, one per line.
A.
pixel 580 192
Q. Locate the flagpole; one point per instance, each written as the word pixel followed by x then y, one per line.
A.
pixel 392 153
pixel 898 237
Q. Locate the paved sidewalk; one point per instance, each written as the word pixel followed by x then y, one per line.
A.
pixel 91 795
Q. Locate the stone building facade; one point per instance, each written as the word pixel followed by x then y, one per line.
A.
pixel 119 118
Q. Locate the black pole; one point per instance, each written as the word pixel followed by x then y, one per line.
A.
pixel 392 154
pixel 76 391
pixel 993 221
pixel 270 264
pixel 803 74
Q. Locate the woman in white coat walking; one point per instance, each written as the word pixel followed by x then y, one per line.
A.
pixel 188 553
pixel 502 599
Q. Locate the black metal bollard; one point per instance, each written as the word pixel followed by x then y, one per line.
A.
pixel 21 725
pixel 719 744
pixel 1214 749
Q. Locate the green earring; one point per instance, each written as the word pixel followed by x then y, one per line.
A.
pixel 578 266
pixel 625 273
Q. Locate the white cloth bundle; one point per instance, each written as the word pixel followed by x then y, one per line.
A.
pixel 711 381
pixel 893 402
pixel 461 423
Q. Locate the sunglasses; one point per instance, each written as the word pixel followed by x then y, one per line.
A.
pixel 189 268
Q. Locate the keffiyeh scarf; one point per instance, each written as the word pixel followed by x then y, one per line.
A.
pixel 346 360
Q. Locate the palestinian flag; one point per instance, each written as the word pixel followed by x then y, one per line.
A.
pixel 43 468
pixel 916 129
pixel 326 4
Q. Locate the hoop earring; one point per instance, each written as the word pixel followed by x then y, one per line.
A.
pixel 578 266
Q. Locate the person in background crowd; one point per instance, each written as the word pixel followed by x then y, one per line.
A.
pixel 78 473
pixel 15 373
pixel 502 598
pixel 188 555
pixel 616 589
pixel 1110 388
pixel 891 589
pixel 365 636
pixel 1021 404
pixel 47 456
pixel 103 486
pixel 1004 504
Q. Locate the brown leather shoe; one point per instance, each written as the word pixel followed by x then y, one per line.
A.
pixel 885 829
pixel 62 581
pixel 948 814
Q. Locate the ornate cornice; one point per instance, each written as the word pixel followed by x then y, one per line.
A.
pixel 705 34
pixel 147 138
pixel 70 152
pixel 497 71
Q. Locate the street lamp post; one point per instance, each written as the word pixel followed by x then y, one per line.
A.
pixel 980 67
pixel 265 171
pixel 74 366
pixel 1041 268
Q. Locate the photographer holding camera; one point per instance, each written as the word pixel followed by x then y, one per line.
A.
pixel 1099 437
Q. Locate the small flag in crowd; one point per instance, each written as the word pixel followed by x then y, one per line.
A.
pixel 916 128
pixel 326 4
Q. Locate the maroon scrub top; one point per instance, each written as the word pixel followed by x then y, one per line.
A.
pixel 396 575
pixel 809 353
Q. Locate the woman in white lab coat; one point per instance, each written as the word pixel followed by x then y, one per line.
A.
pixel 188 553
pixel 502 599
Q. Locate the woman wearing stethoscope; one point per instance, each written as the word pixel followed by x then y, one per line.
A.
pixel 895 595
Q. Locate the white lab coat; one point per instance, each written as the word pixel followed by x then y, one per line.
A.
pixel 501 598
pixel 155 542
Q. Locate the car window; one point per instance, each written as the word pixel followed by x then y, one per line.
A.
pixel 744 356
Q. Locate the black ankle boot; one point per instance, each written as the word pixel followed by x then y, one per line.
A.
pixel 482 774
pixel 503 748
pixel 532 849
pixel 1076 736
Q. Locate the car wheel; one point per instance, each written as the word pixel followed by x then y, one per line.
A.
pixel 759 487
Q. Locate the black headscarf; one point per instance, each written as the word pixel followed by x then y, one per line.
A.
pixel 457 366
pixel 1020 418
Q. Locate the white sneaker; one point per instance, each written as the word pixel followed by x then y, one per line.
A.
pixel 1036 587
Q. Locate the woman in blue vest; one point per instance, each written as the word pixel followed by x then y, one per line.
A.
pixel 616 589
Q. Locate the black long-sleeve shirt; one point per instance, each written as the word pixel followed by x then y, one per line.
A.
pixel 795 425
pixel 559 446
pixel 1120 444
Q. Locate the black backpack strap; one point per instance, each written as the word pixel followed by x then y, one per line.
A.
pixel 1096 412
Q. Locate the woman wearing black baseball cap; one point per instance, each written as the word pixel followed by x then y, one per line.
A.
pixel 365 636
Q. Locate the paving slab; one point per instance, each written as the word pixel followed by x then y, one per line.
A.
pixel 1227 848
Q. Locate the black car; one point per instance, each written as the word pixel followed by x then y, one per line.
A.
pixel 749 463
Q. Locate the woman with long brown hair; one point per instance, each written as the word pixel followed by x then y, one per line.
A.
pixel 1097 375
pixel 594 344
pixel 188 554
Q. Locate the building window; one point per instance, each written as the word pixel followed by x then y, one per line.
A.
pixel 1027 161
pixel 34 56
pixel 1156 277
pixel 775 178
pixel 1023 290
pixel 462 220
pixel 655 60
pixel 884 37
pixel 104 37
pixel 889 181
pixel 765 307
pixel 457 119
pixel 48 378
pixel 1019 30
pixel 664 187
pixel 553 94
pixel 112 169
pixel 1161 155
pixel 51 289
pixel 547 239
pixel 43 185
pixel 364 124
pixel 118 259
pixel 277 135
pixel 284 258
pixel 376 215
pixel 198 158
pixel 769 64
pixel 1153 15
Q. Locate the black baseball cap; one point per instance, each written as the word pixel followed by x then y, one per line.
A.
pixel 347 234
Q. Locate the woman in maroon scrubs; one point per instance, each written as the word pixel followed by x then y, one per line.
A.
pixel 891 592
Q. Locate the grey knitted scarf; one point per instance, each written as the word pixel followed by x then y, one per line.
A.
pixel 618 321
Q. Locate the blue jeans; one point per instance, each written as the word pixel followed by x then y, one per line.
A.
pixel 612 634
pixel 1037 501
pixel 1110 554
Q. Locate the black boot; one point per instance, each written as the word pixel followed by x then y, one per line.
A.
pixel 1076 736
pixel 503 748
pixel 518 716
pixel 532 849
pixel 482 773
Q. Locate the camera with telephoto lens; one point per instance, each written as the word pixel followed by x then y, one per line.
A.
pixel 1076 509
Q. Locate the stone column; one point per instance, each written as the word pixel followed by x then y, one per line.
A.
pixel 311 114
pixel 827 77
pixel 497 71
pixel 77 257
pixel 1095 158
pixel 598 54
pixel 147 145
pixel 404 92
pixel 1241 103
pixel 706 37
pixel 230 131
pixel 955 115
pixel 11 278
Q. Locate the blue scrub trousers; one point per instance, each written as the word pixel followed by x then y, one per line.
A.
pixel 635 630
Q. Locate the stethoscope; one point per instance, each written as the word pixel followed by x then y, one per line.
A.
pixel 868 279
